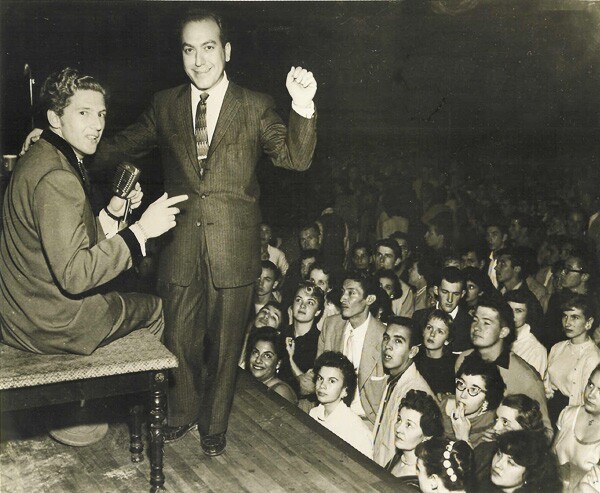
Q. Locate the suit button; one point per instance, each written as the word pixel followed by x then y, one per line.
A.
pixel 198 223
pixel 204 195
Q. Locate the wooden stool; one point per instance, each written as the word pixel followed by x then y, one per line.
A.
pixel 135 363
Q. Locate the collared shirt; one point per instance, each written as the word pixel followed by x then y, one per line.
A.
pixel 347 425
pixel 216 95
pixel 533 352
pixel 452 313
pixel 492 270
pixel 358 341
pixel 570 366
pixel 215 102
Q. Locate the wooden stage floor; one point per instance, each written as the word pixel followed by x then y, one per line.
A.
pixel 272 447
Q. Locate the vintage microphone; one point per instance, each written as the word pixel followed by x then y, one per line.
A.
pixel 27 73
pixel 126 176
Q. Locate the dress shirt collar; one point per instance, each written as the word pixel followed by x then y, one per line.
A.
pixel 523 332
pixel 361 329
pixel 452 313
pixel 216 93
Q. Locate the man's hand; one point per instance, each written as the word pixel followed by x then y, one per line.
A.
pixel 159 217
pixel 116 206
pixel 31 139
pixel 301 85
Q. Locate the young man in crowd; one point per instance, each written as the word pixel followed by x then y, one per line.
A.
pixel 496 237
pixel 492 333
pixel 398 350
pixel 388 256
pixel 449 293
pixel 266 285
pixel 358 335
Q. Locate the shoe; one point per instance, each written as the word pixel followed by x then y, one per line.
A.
pixel 213 445
pixel 172 433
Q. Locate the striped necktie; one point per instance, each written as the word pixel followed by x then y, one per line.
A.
pixel 201 133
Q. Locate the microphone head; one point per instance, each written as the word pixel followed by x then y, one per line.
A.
pixel 126 176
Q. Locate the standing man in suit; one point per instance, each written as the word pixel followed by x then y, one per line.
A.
pixel 211 134
pixel 207 270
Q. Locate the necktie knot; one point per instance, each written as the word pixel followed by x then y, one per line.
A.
pixel 204 97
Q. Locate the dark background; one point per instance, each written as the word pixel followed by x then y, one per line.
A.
pixel 501 87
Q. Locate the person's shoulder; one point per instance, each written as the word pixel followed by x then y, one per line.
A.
pixel 333 322
pixel 249 95
pixel 171 93
pixel 520 366
pixel 376 325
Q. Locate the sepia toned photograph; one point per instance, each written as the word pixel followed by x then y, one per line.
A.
pixel 300 246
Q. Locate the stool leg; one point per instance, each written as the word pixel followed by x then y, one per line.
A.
pixel 157 418
pixel 136 445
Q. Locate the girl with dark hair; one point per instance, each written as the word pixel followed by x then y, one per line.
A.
pixel 264 355
pixel 523 463
pixel 470 412
pixel 419 419
pixel 444 465
pixel 335 385
pixel 515 412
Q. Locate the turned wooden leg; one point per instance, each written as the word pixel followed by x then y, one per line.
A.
pixel 136 445
pixel 157 418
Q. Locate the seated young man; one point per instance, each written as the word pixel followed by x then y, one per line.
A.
pixel 270 252
pixel 492 333
pixel 421 276
pixel 399 347
pixel 56 254
pixel 266 285
pixel 335 384
pixel 449 293
pixel 388 256
pixel 358 335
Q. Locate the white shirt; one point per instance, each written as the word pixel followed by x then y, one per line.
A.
pixel 533 352
pixel 347 425
pixel 278 258
pixel 358 341
pixel 492 270
pixel 570 366
pixel 216 95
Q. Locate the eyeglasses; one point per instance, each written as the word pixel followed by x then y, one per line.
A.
pixel 472 391
pixel 566 268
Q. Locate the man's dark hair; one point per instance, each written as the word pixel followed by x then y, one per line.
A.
pixel 334 359
pixel 60 86
pixel 426 268
pixel 267 264
pixel 452 275
pixel 199 15
pixel 506 316
pixel 415 334
pixel 369 284
pixel 389 243
pixel 361 244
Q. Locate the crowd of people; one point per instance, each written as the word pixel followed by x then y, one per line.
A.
pixel 448 335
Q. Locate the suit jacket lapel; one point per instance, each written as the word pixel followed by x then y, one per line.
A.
pixel 185 125
pixel 370 354
pixel 231 105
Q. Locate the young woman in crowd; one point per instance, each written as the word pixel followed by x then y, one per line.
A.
pixel 335 385
pixel 570 362
pixel 523 463
pixel 435 361
pixel 264 355
pixel 419 419
pixel 515 412
pixel 577 441
pixel 470 412
pixel 444 465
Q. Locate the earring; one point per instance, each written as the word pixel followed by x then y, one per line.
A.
pixel 484 407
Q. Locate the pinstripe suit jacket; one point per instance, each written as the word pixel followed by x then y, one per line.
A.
pixel 224 205
pixel 371 376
